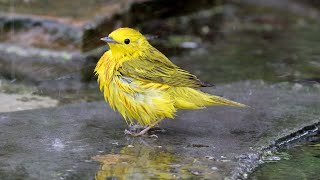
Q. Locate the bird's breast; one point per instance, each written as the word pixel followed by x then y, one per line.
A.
pixel 134 89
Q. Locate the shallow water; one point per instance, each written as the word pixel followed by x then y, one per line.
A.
pixel 298 162
pixel 142 161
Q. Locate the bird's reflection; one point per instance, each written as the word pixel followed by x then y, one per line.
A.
pixel 144 160
pixel 137 161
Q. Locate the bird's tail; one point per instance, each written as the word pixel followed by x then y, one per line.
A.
pixel 188 98
pixel 220 101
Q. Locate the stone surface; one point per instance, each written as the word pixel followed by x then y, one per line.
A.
pixel 36 65
pixel 18 102
pixel 56 25
pixel 86 140
pixel 17 97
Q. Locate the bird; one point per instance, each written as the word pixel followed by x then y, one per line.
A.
pixel 144 86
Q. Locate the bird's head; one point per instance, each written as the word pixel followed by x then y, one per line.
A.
pixel 126 41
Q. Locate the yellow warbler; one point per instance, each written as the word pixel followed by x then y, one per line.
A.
pixel 144 85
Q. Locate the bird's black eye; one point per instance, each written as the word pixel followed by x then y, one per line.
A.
pixel 127 41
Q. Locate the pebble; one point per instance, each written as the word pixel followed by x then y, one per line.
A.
pixel 189 45
pixel 214 168
pixel 115 143
pixel 210 157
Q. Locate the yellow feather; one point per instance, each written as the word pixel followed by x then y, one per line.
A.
pixel 144 85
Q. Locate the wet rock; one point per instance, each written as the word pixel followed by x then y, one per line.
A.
pixel 32 31
pixel 60 142
pixel 51 25
pixel 38 65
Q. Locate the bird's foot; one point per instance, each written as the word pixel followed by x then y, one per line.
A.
pixel 134 128
pixel 135 133
pixel 137 130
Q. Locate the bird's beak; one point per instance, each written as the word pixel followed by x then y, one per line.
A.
pixel 108 40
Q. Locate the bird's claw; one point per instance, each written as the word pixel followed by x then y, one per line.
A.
pixel 126 132
pixel 135 134
pixel 137 130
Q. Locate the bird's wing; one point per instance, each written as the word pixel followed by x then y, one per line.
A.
pixel 160 71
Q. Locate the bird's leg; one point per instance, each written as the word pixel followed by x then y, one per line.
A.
pixel 144 131
pixel 134 128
